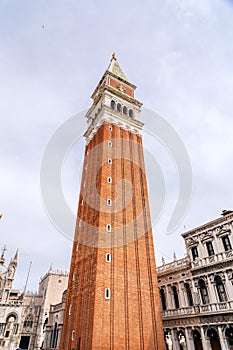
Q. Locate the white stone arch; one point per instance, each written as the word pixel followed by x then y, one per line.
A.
pixel 12 314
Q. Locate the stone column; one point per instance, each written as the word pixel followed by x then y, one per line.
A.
pixel 171 298
pixel 175 343
pixel 212 295
pixel 224 346
pixel 168 297
pixel 228 287
pixel 190 343
pixel 181 295
pixel 204 341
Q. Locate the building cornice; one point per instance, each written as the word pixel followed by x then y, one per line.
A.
pixel 212 224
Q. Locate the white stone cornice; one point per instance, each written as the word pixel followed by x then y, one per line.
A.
pixel 210 225
pixel 107 115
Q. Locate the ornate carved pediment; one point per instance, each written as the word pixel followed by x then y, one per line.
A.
pixel 220 274
pixel 230 274
pixel 223 229
pixel 192 242
pixel 206 235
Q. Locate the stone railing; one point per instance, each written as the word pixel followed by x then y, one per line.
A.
pixel 184 262
pixel 214 259
pixel 11 303
pixel 56 307
pixel 197 309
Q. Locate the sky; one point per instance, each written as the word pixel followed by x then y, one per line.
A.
pixel 179 53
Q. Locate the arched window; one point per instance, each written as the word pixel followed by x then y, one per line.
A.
pixel 11 326
pixel 131 113
pixel 108 257
pixel 212 334
pixel 28 322
pixel 113 104
pixel 188 294
pixel 118 107
pixel 203 291
pixel 229 336
pixel 163 299
pixel 108 228
pixel 220 289
pixel 125 110
pixel 197 340
pixel 176 298
pixel 107 293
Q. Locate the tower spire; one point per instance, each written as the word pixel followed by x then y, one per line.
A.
pixel 115 68
pixel 15 259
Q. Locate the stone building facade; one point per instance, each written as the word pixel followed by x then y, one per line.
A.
pixel 24 315
pixel 197 293
pixel 54 325
pixel 11 304
pixel 51 287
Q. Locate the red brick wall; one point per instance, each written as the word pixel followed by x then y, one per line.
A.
pixel 131 319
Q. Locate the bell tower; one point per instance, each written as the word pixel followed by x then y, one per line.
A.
pixel 113 298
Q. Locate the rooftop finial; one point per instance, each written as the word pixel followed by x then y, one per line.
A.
pixel 114 55
pixel 3 251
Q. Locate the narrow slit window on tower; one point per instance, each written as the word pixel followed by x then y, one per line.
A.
pixel 108 257
pixel 79 343
pixel 109 180
pixel 109 202
pixel 70 307
pixel 109 160
pixel 107 293
pixel 72 335
pixel 108 228
pixel 110 143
